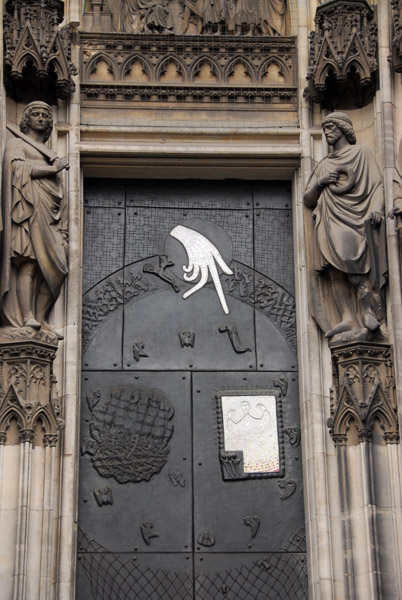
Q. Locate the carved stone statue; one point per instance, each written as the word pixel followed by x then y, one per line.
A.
pixel 348 257
pixel 273 17
pixel 213 15
pixel 141 16
pixel 246 16
pixel 34 236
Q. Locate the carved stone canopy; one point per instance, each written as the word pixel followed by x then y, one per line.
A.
pixel 343 66
pixel 37 50
pixel 28 387
pixel 363 399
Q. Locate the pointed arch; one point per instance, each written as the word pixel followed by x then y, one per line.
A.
pixel 283 70
pixel 197 68
pixel 234 74
pixel 92 66
pixel 127 68
pixel 164 72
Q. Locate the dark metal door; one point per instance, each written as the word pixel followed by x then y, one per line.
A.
pixel 190 471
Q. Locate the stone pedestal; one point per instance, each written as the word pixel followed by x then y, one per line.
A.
pixel 364 428
pixel 30 419
pixel 364 393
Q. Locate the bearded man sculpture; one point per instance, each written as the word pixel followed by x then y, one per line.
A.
pixel 348 258
pixel 34 239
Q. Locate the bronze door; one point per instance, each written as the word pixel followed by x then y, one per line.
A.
pixel 190 471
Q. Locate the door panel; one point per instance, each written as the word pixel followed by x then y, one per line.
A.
pixel 114 423
pixel 222 507
pixel 190 470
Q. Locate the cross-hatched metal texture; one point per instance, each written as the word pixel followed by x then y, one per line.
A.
pixel 279 576
pixel 118 577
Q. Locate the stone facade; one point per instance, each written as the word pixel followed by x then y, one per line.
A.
pixel 176 90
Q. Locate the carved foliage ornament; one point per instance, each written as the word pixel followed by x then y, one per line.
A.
pixel 343 49
pixel 32 36
pixel 364 393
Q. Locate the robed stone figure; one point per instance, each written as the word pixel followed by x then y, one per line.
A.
pixel 347 252
pixel 34 235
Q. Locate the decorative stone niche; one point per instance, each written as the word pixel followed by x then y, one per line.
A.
pixel 343 66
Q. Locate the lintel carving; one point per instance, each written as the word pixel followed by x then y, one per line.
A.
pixel 34 39
pixel 343 55
pixel 363 393
pixel 250 71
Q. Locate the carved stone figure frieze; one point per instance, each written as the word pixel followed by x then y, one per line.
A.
pixel 208 17
pixel 347 256
pixel 343 64
pixel 33 37
pixel 34 237
pixel 141 16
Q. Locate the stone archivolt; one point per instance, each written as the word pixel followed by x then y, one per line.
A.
pixel 364 393
pixel 343 48
pixel 33 37
pixel 189 69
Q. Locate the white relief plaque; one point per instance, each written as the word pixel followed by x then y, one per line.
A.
pixel 250 426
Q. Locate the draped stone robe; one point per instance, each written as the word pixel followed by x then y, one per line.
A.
pixel 33 221
pixel 342 235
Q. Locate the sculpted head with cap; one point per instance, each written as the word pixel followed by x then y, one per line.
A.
pixel 30 113
pixel 338 122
